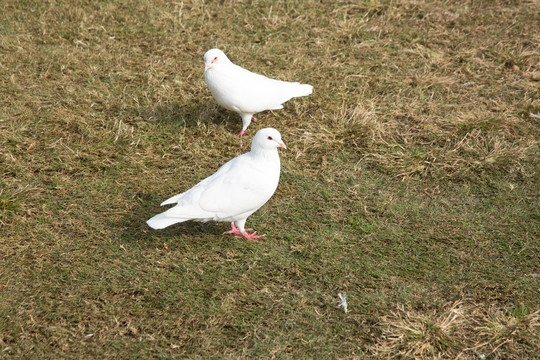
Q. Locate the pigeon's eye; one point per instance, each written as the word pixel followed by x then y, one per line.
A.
pixel 269 138
pixel 215 59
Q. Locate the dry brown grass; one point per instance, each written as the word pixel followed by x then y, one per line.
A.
pixel 411 178
pixel 461 331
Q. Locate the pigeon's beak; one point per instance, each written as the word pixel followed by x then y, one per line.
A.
pixel 283 145
pixel 206 66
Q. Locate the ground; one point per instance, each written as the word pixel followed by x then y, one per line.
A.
pixel 410 183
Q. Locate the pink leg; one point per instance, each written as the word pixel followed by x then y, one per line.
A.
pixel 234 230
pixel 251 236
pixel 242 132
pixel 253 118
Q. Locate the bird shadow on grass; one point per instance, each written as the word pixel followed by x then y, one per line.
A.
pixel 135 230
pixel 190 115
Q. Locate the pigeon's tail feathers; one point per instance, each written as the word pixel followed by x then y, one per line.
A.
pixel 161 221
pixel 172 200
pixel 303 90
pixel 278 107
pixel 292 90
pixel 178 214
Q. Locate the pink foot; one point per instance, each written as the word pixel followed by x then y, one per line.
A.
pixel 253 118
pixel 251 237
pixel 234 230
pixel 242 132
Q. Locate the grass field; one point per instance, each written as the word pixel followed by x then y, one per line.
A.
pixel 410 183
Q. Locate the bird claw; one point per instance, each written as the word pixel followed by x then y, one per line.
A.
pixel 234 230
pixel 242 132
pixel 251 237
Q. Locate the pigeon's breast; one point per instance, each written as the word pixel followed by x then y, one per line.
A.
pixel 222 88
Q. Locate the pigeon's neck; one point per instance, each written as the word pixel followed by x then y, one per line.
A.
pixel 224 64
pixel 266 154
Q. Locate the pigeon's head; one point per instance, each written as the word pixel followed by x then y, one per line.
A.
pixel 213 57
pixel 268 138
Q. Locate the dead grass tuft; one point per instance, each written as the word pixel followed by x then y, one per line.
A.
pixel 413 334
pixel 348 127
pixel 461 331
pixel 502 334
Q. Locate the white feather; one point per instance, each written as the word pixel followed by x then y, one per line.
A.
pixel 343 302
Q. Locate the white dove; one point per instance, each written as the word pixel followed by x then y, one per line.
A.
pixel 235 191
pixel 244 92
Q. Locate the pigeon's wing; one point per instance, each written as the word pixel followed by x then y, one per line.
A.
pixel 191 193
pixel 240 192
pixel 231 191
pixel 172 200
pixel 187 204
pixel 263 93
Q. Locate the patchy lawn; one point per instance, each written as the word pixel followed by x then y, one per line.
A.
pixel 410 183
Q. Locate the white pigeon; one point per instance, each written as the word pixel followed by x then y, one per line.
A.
pixel 234 192
pixel 244 92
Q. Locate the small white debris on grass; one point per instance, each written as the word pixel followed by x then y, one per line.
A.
pixel 534 116
pixel 343 302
